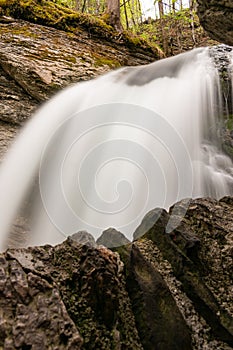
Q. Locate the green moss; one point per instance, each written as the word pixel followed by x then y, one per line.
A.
pixel 103 61
pixel 229 123
pixel 138 41
pixel 18 31
pixel 24 32
pixel 228 149
pixel 71 59
pixel 50 14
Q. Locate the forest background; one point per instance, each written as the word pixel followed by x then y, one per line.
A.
pixel 170 26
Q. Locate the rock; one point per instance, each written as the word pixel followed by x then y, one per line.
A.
pixel 70 296
pixel 7 135
pixel 33 314
pixel 169 289
pixel 147 222
pixel 200 253
pixel 111 238
pixel 217 17
pixel 37 61
pixel 175 282
pixel 156 312
pixel 222 56
pixel 84 237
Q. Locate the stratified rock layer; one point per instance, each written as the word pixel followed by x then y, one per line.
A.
pixel 37 61
pixel 199 252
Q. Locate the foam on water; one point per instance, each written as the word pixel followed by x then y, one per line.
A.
pixel 107 151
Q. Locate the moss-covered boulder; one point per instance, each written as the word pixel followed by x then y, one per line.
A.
pixel 51 14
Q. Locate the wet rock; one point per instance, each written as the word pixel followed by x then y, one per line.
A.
pixel 147 222
pixel 70 296
pixel 216 17
pixel 111 238
pixel 175 282
pixel 156 312
pixel 200 253
pixel 7 135
pixel 37 61
pixel 32 314
pixel 84 237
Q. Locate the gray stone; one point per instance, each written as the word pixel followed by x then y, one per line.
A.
pixel 84 237
pixel 216 16
pixel 112 238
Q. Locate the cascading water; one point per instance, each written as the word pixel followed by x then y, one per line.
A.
pixel 105 152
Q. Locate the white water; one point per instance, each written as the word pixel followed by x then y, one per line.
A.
pixel 109 150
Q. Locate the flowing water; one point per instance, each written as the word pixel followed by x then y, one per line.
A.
pixel 105 152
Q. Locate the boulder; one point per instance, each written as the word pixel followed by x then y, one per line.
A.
pixel 169 289
pixel 216 16
pixel 111 238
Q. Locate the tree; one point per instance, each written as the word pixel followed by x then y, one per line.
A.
pixel 161 10
pixel 113 12
pixel 163 31
pixel 126 15
pixel 192 9
pixel 172 6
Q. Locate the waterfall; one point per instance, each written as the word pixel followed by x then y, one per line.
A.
pixel 105 152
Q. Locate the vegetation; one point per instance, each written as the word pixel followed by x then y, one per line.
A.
pixel 174 30
pixel 62 17
pixel 52 14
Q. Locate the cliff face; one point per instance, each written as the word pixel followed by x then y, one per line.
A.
pixel 216 16
pixel 36 61
pixel 174 291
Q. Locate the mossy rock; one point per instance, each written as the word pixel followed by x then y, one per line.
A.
pixel 54 15
pixel 50 14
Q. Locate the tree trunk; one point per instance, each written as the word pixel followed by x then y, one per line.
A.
pixel 172 7
pixel 113 11
pixel 140 11
pixel 132 14
pixel 193 5
pixel 84 5
pixel 161 11
pixel 164 36
pixel 126 16
pixel 191 9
